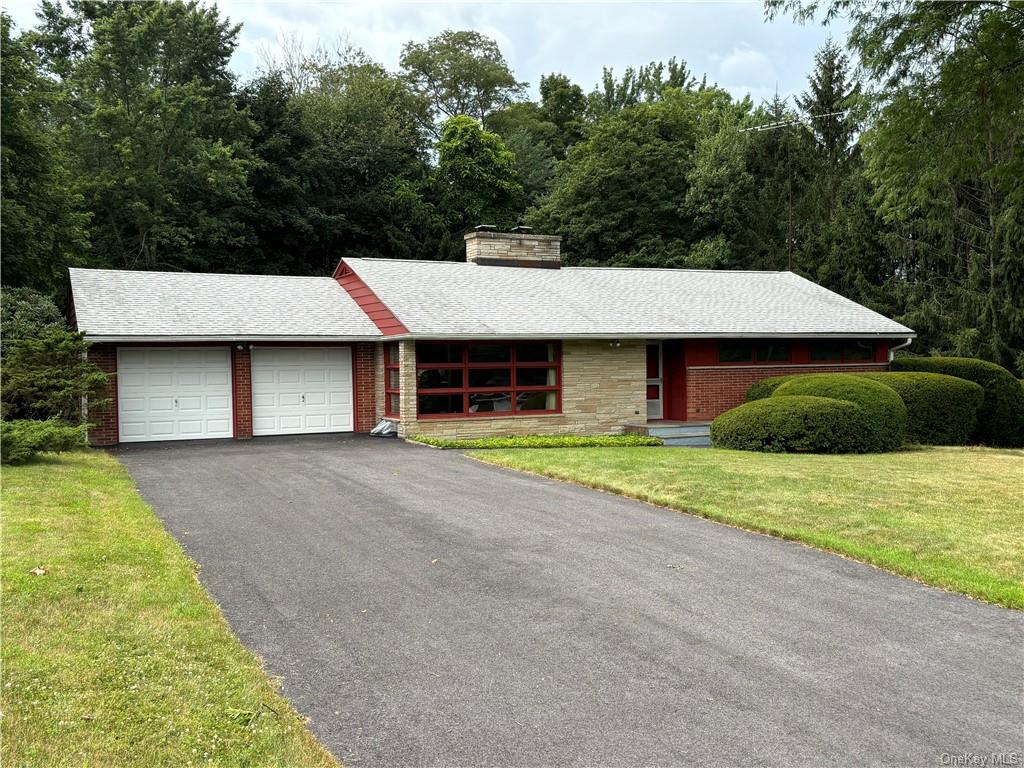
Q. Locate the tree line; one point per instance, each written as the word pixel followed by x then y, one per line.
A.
pixel 896 178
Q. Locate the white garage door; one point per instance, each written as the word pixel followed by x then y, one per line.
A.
pixel 173 394
pixel 301 390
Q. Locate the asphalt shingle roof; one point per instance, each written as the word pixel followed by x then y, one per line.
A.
pixel 122 305
pixel 457 299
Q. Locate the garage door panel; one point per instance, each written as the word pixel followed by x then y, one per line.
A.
pixel 302 390
pixel 174 394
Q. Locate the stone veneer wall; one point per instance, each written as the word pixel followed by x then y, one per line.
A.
pixel 378 381
pixel 603 388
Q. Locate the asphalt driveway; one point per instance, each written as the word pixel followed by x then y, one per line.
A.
pixel 425 609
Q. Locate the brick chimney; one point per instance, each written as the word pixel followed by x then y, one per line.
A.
pixel 519 248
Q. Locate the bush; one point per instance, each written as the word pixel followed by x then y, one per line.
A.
pixel 21 440
pixel 941 410
pixel 884 410
pixel 541 441
pixel 766 387
pixel 795 424
pixel 1001 419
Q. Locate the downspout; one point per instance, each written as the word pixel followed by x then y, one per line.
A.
pixel 904 345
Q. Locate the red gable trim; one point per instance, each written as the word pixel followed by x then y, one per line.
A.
pixel 367 300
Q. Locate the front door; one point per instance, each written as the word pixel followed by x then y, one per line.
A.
pixel 655 384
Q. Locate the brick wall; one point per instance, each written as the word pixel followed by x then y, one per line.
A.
pixel 711 390
pixel 105 431
pixel 603 388
pixel 364 367
pixel 241 385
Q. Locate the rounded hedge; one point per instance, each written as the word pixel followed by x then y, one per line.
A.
pixel 1001 418
pixel 794 424
pixel 766 387
pixel 941 410
pixel 885 412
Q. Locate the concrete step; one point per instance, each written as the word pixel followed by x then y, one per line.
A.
pixel 693 441
pixel 679 430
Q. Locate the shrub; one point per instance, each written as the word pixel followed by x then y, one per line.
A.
pixel 541 441
pixel 795 424
pixel 47 377
pixel 21 440
pixel 941 410
pixel 766 387
pixel 1001 418
pixel 886 416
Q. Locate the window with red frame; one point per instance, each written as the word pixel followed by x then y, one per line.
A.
pixel 486 378
pixel 843 350
pixel 753 351
pixel 392 380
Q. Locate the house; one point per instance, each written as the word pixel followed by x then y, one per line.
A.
pixel 507 342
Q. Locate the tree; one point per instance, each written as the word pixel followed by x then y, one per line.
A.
pixel 27 314
pixel 535 165
pixel 639 86
pixel 343 165
pixel 476 178
pixel 620 196
pixel 564 105
pixel 462 73
pixel 160 148
pixel 943 152
pixel 828 106
pixel 42 224
pixel 46 377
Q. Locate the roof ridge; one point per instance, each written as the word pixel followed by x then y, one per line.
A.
pixel 582 268
pixel 196 274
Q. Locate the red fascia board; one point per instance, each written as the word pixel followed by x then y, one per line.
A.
pixel 375 309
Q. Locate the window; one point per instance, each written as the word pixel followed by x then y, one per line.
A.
pixel 743 351
pixel 843 351
pixel 487 378
pixel 392 380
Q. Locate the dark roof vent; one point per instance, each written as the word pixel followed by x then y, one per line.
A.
pixel 521 230
pixel 485 228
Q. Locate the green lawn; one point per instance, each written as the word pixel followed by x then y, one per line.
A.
pixel 950 517
pixel 117 656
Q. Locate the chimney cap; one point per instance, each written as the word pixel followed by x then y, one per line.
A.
pixel 521 230
pixel 485 228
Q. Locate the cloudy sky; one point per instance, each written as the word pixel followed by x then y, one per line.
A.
pixel 730 41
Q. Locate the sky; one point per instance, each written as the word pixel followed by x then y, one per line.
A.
pixel 729 41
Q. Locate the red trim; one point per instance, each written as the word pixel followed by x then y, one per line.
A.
pixel 375 309
pixel 388 389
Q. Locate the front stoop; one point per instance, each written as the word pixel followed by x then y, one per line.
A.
pixel 693 434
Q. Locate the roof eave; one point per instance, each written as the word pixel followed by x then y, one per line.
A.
pixel 223 338
pixel 653 336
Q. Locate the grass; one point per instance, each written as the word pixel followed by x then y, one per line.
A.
pixel 539 441
pixel 117 655
pixel 949 517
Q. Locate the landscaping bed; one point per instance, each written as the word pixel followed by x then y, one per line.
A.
pixel 540 441
pixel 949 517
pixel 113 653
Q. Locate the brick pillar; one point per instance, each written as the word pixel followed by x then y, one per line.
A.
pixel 363 366
pixel 241 387
pixel 104 420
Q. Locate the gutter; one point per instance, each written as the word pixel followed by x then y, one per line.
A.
pixel 898 347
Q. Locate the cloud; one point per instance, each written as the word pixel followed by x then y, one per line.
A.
pixel 747 66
